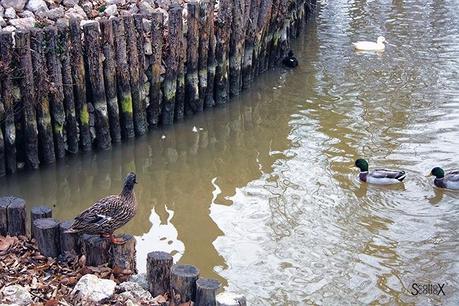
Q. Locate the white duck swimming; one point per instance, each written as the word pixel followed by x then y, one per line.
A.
pixel 369 45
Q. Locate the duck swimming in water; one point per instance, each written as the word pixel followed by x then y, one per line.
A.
pixel 378 176
pixel 108 214
pixel 290 61
pixel 369 45
pixel 449 180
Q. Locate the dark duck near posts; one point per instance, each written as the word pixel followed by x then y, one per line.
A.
pixel 378 176
pixel 290 61
pixel 448 180
pixel 108 214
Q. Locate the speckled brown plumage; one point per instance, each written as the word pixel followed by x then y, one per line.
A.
pixel 110 213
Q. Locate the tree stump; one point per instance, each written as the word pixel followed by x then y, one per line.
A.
pixel 47 235
pixel 39 212
pixel 69 242
pixel 159 272
pixel 96 249
pixel 206 291
pixel 231 299
pixel 183 283
pixel 12 216
pixel 123 255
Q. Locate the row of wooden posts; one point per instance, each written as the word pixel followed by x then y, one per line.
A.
pixel 181 281
pixel 63 90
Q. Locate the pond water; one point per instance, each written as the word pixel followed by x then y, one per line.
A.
pixel 263 196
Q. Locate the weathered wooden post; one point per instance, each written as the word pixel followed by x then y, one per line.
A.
pixel 263 20
pixel 211 60
pixel 183 283
pixel 171 56
pixel 71 124
pixel 249 47
pixel 3 217
pixel 2 141
pixel 46 233
pixel 69 242
pixel 179 112
pixel 231 299
pixel 203 48
pixel 79 81
pixel 154 109
pixel 109 68
pixel 24 58
pixel 206 291
pixel 39 212
pixel 45 130
pixel 123 80
pixel 96 81
pixel 192 102
pixel 12 216
pixel 139 107
pixel 96 249
pixel 123 255
pixel 236 48
pixel 159 272
pixel 6 93
pixel 223 32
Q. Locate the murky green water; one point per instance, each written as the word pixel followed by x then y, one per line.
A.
pixel 264 197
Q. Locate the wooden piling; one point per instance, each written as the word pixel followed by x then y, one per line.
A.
pixel 138 106
pixel 97 86
pixel 68 242
pixel 236 48
pixel 123 80
pixel 46 233
pixel 211 60
pixel 183 283
pixel 249 46
pixel 38 212
pixel 260 41
pixel 109 68
pixel 6 93
pixel 123 255
pixel 30 136
pixel 206 291
pixel 79 85
pixel 179 112
pixel 203 48
pixel 96 249
pixel 222 35
pixel 12 216
pixel 170 55
pixel 154 109
pixel 71 124
pixel 41 84
pixel 192 102
pixel 3 216
pixel 159 272
pixel 2 141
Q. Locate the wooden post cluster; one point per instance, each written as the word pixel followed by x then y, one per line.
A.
pixel 12 216
pixel 67 89
pixel 38 212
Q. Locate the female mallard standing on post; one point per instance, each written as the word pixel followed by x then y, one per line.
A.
pixel 108 214
pixel 449 180
pixel 378 176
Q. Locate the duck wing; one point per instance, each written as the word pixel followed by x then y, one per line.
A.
pixel 388 174
pixel 452 176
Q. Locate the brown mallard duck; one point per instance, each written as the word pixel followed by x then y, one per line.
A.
pixel 108 214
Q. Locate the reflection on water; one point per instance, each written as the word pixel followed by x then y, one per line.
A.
pixel 262 194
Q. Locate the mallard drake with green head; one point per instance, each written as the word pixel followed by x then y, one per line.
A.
pixel 108 214
pixel 378 176
pixel 449 180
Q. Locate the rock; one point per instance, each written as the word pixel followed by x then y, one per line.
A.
pixel 17 5
pixel 2 10
pixel 9 29
pixel 146 8
pixel 23 23
pixel 70 3
pixel 76 12
pixel 140 279
pixel 117 2
pixel 62 21
pixel 36 5
pixel 134 292
pixel 55 14
pixel 16 294
pixel 2 22
pixel 10 13
pixel 26 14
pixel 111 10
pixel 88 7
pixel 90 288
pixel 230 299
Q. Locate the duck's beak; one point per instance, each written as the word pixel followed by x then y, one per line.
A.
pixel 429 174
